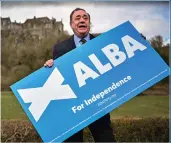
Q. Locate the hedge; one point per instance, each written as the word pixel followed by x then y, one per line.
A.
pixel 125 130
pixel 142 130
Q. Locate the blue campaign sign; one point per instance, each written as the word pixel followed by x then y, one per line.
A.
pixel 88 82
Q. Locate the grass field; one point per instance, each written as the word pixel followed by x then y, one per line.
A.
pixel 140 106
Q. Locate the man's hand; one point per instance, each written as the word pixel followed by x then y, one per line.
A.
pixel 49 63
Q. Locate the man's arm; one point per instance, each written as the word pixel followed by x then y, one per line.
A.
pixel 57 52
pixel 50 62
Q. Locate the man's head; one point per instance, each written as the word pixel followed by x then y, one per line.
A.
pixel 80 22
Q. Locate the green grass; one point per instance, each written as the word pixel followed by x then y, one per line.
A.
pixel 10 107
pixel 144 106
pixel 140 106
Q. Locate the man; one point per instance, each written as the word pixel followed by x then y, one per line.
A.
pixel 80 24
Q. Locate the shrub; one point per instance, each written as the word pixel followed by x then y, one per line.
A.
pixel 141 130
pixel 125 130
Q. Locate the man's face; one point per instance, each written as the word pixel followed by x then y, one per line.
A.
pixel 80 23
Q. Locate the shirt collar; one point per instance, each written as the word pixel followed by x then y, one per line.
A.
pixel 77 39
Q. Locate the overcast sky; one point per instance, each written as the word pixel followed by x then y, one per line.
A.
pixel 149 18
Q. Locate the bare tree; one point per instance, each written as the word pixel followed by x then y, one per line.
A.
pixel 157 41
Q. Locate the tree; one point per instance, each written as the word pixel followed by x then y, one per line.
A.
pixel 157 41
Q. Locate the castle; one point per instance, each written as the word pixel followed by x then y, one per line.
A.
pixel 40 27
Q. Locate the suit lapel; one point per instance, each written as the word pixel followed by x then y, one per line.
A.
pixel 91 37
pixel 71 44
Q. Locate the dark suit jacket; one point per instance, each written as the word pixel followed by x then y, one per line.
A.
pixel 65 46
